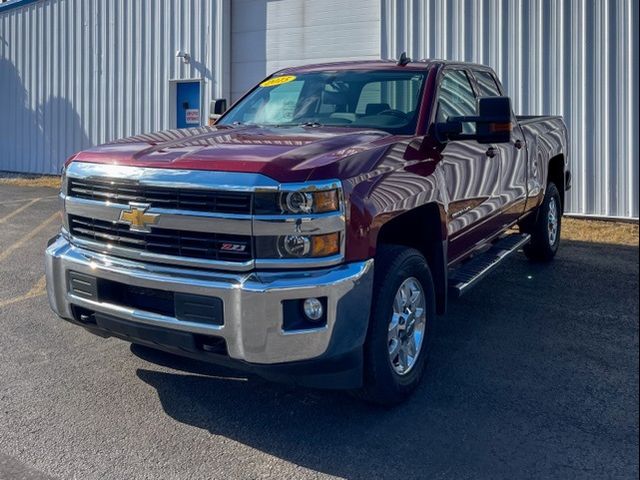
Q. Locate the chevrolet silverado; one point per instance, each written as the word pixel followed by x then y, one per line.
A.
pixel 316 231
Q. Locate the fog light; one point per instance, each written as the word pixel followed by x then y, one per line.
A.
pixel 313 309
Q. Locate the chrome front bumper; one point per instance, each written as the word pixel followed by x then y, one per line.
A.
pixel 253 311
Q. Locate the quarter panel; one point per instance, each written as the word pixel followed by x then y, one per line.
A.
pixel 546 137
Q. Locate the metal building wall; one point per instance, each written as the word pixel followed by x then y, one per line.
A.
pixel 75 73
pixel 575 58
pixel 267 36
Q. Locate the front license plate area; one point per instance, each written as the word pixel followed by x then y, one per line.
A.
pixel 146 333
pixel 182 306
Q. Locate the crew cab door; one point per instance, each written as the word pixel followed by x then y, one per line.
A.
pixel 512 156
pixel 471 169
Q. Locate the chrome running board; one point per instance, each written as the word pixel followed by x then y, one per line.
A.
pixel 462 279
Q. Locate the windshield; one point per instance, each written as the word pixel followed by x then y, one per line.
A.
pixel 385 100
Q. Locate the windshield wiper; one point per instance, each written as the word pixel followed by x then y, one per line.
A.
pixel 310 124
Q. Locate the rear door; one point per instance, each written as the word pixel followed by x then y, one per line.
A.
pixel 512 194
pixel 471 169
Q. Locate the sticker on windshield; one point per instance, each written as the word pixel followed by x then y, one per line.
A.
pixel 272 82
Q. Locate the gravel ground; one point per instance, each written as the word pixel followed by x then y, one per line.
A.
pixel 534 374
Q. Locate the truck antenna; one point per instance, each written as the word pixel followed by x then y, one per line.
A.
pixel 403 59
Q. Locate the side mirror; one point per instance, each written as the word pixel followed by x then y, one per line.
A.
pixel 451 129
pixel 216 108
pixel 494 122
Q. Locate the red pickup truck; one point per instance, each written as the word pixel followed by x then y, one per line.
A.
pixel 314 233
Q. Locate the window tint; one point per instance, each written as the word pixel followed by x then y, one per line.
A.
pixel 456 98
pixel 487 86
pixel 279 107
pixel 371 93
pixel 401 95
pixel 379 99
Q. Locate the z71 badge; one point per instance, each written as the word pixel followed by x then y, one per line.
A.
pixel 233 247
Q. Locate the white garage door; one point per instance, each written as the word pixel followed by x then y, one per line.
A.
pixel 267 35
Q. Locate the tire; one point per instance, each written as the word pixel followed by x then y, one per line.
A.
pixel 397 266
pixel 544 242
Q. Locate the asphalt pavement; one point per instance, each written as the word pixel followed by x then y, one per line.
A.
pixel 533 374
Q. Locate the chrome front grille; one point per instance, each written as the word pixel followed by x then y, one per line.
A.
pixel 122 192
pixel 162 241
pixel 188 218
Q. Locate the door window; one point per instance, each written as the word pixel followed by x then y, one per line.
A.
pixel 487 86
pixel 456 98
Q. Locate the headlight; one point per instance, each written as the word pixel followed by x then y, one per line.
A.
pixel 299 221
pixel 297 202
pixel 309 202
pixel 298 246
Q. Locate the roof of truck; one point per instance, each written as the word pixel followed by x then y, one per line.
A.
pixel 374 65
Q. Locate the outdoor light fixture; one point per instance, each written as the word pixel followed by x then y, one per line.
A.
pixel 186 58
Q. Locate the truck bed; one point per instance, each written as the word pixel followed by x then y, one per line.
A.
pixel 546 138
pixel 525 119
pixel 540 125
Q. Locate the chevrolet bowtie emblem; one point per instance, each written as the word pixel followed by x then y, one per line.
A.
pixel 137 218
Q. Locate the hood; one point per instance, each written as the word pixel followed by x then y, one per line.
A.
pixel 286 154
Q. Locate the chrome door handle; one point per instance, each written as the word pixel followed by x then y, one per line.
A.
pixel 491 152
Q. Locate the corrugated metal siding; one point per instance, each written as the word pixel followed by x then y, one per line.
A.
pixel 75 73
pixel 575 58
pixel 270 35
